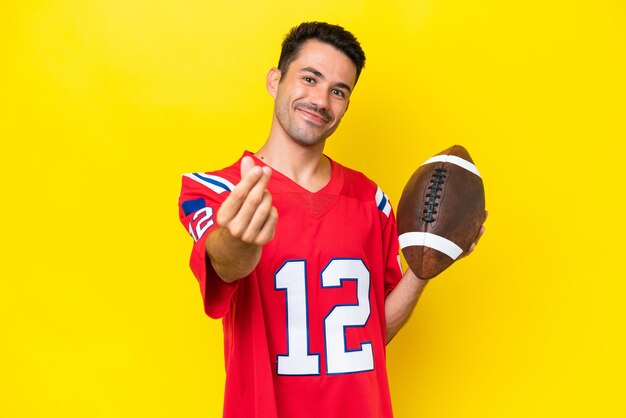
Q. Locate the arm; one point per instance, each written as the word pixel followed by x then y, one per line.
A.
pixel 400 303
pixel 246 222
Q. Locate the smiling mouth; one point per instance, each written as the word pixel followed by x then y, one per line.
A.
pixel 313 115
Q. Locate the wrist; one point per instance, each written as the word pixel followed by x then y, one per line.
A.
pixel 412 277
pixel 231 258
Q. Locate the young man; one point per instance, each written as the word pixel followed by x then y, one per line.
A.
pixel 299 255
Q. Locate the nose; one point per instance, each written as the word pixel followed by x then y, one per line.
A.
pixel 320 97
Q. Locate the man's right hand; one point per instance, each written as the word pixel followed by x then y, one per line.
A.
pixel 247 213
pixel 247 222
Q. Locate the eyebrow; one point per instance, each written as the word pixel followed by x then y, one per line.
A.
pixel 320 75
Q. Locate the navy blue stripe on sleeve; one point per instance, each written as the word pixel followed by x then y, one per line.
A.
pixel 190 206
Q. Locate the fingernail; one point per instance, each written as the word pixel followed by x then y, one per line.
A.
pixel 267 170
pixel 257 170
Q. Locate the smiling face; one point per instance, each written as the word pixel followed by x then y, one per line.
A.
pixel 314 93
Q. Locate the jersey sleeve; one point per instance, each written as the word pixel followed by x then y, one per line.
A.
pixel 391 246
pixel 200 198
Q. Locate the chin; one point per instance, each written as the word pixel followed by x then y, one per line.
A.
pixel 308 142
pixel 307 139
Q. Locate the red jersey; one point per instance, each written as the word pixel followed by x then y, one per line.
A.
pixel 304 333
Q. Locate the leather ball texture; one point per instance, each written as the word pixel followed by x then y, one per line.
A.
pixel 440 212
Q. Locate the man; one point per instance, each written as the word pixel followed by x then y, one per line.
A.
pixel 299 255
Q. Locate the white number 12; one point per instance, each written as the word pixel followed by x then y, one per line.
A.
pixel 298 361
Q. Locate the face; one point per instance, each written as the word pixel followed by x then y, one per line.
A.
pixel 314 93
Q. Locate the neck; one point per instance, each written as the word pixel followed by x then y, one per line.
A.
pixel 305 165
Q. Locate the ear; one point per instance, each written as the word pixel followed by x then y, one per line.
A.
pixel 272 80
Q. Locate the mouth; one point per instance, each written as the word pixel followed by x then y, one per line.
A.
pixel 313 116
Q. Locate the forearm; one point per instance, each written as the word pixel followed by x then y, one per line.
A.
pixel 231 258
pixel 400 303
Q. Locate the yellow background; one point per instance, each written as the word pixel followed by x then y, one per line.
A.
pixel 106 103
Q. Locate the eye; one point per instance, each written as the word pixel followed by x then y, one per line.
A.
pixel 309 80
pixel 338 93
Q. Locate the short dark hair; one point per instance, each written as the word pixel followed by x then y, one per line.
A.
pixel 333 35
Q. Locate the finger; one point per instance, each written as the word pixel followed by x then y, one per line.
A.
pixel 247 163
pixel 251 202
pixel 481 231
pixel 259 218
pixel 237 197
pixel 480 234
pixel 473 245
pixel 269 228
